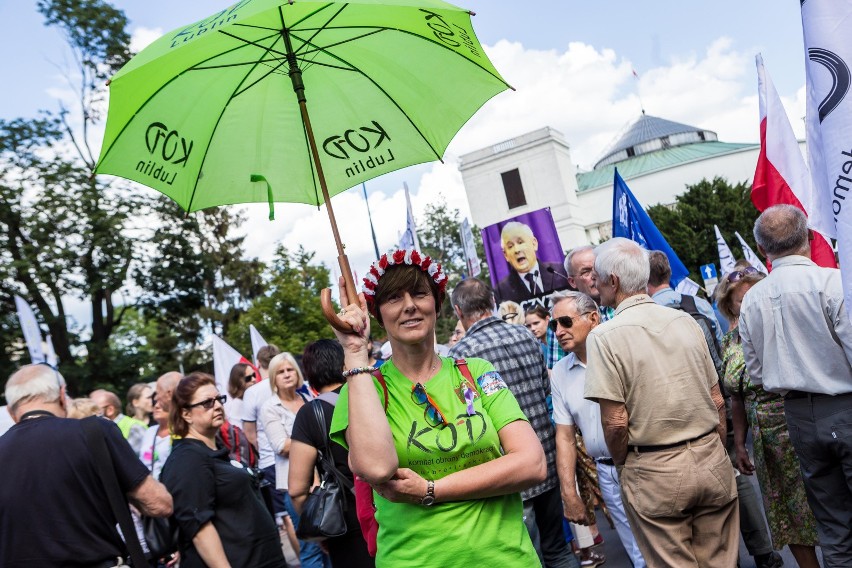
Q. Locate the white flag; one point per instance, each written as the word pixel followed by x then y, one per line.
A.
pixel 224 359
pixel 828 54
pixel 726 259
pixel 752 258
pixel 409 237
pixel 30 329
pixel 257 341
pixel 474 265
pixel 50 353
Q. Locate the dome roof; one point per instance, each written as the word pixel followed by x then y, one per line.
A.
pixel 649 134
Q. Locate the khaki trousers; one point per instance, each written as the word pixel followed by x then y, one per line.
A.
pixel 682 505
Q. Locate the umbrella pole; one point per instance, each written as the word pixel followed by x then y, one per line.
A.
pixel 342 260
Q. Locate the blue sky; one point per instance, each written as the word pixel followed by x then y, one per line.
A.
pixel 571 62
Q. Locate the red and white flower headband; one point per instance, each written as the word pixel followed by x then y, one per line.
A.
pixel 411 257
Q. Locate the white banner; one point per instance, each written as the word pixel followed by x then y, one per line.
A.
pixel 752 258
pixel 474 265
pixel 257 341
pixel 30 329
pixel 409 237
pixel 224 359
pixel 726 259
pixel 687 286
pixel 50 353
pixel 828 55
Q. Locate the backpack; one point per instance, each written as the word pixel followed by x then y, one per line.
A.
pixel 687 304
pixel 239 448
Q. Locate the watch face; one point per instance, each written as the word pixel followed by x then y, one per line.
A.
pixel 428 501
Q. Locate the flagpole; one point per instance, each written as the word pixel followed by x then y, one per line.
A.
pixel 370 217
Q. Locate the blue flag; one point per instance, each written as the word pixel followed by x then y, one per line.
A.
pixel 630 220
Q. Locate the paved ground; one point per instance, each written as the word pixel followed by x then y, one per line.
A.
pixel 617 558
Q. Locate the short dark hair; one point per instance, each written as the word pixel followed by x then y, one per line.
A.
pixel 473 297
pixel 182 397
pixel 265 355
pixel 661 270
pixel 237 380
pixel 538 310
pixel 781 230
pixel 405 278
pixel 323 363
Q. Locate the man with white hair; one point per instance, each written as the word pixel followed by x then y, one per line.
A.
pixel 54 510
pixel 528 278
pixel 797 341
pixel 663 418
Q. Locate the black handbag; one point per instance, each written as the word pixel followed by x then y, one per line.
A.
pixel 161 536
pixel 323 515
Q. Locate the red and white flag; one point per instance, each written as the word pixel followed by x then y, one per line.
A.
pixel 224 359
pixel 781 175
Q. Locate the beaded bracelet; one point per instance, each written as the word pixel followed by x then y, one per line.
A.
pixel 358 371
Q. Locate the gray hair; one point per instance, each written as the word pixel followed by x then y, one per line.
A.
pixel 473 298
pixel 570 257
pixel 781 230
pixel 627 260
pixel 31 383
pixel 583 302
pixel 511 226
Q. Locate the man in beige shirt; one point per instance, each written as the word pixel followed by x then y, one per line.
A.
pixel 663 419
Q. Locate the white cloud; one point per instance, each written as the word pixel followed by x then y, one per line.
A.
pixel 142 37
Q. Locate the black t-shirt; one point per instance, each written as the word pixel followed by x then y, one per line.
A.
pixel 208 486
pixel 307 430
pixel 54 510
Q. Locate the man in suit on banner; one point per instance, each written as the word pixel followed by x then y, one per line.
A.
pixel 528 278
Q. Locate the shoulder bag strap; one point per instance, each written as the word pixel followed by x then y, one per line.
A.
pixel 381 378
pixel 325 453
pixel 117 500
pixel 465 371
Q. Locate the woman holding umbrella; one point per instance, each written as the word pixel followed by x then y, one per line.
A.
pixel 444 444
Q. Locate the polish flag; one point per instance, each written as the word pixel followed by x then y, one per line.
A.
pixel 224 359
pixel 781 175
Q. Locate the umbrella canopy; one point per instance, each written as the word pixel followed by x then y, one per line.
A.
pixel 208 112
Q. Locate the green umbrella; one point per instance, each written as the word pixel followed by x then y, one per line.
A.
pixel 216 113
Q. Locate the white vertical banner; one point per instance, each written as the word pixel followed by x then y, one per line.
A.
pixel 752 258
pixel 726 259
pixel 50 353
pixel 474 265
pixel 30 329
pixel 409 237
pixel 224 359
pixel 257 341
pixel 688 286
pixel 828 55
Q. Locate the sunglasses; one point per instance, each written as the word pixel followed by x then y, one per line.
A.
pixel 433 416
pixel 564 321
pixel 737 275
pixel 210 402
pixel 249 378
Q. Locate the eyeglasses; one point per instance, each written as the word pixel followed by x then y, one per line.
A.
pixel 434 416
pixel 737 275
pixel 564 321
pixel 210 402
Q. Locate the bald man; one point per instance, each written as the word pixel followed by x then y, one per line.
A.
pixel 132 429
pixel 166 385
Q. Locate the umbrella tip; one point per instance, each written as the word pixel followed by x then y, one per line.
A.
pixel 471 12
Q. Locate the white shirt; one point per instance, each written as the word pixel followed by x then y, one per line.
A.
pixel 234 410
pixel 795 332
pixel 278 424
pixel 154 454
pixel 536 274
pixel 570 408
pixel 253 400
pixel 6 421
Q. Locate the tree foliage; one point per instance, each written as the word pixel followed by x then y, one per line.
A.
pixel 688 224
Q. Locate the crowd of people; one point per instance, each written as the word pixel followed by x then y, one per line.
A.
pixel 622 395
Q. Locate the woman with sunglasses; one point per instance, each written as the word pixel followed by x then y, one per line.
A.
pixel 790 519
pixel 242 377
pixel 445 453
pixel 218 508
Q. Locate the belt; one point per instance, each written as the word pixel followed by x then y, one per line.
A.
pixel 604 461
pixel 660 448
pixel 794 394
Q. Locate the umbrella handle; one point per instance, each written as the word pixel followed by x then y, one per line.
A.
pixel 330 314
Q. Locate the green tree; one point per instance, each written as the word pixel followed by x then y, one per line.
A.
pixel 289 313
pixel 688 224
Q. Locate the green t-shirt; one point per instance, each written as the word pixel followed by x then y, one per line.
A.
pixel 478 532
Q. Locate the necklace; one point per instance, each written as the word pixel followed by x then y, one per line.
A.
pixel 430 372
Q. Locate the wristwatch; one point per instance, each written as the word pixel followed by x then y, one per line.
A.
pixel 429 499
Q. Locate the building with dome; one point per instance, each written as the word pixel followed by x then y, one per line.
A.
pixel 657 158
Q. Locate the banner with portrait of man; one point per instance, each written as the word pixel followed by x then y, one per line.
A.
pixel 525 259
